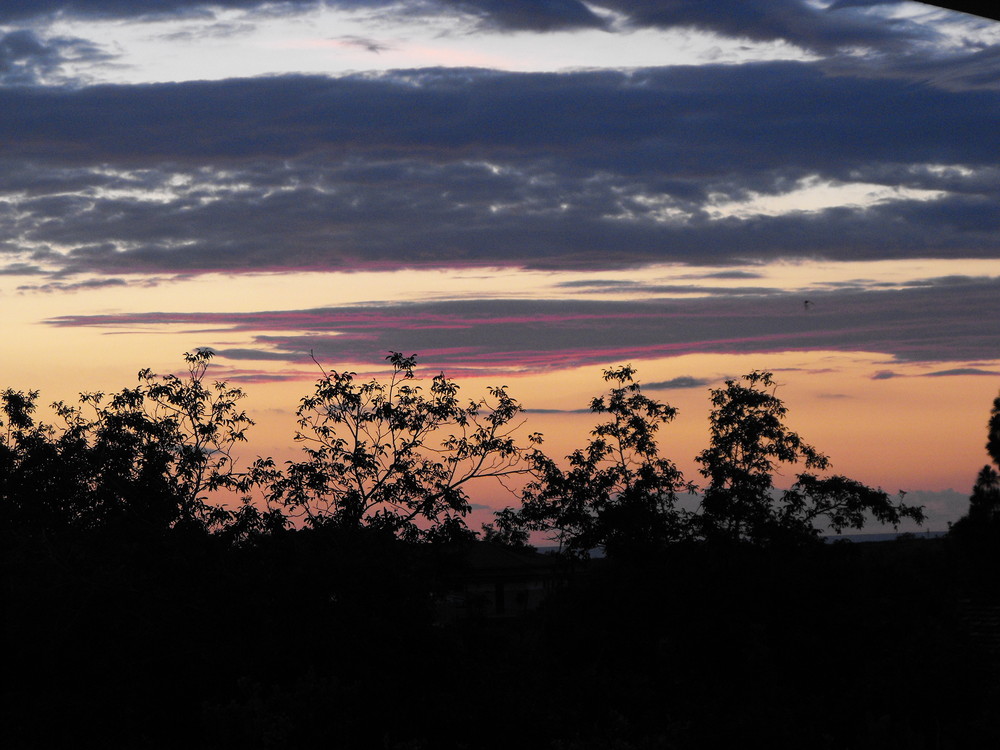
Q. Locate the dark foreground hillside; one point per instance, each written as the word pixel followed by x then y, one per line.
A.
pixel 312 639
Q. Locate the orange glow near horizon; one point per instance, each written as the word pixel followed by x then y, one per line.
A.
pixel 911 431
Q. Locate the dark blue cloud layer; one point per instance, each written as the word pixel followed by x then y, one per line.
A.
pixel 26 59
pixel 17 11
pixel 843 24
pixel 682 119
pixel 477 167
pixel 794 20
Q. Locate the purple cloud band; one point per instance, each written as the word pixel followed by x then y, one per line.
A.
pixel 944 322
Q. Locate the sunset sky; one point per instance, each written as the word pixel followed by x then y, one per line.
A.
pixel 522 192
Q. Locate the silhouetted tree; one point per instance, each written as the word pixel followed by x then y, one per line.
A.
pixel 507 529
pixel 30 468
pixel 201 425
pixel 839 503
pixel 984 504
pixel 388 456
pixel 749 441
pixel 981 525
pixel 146 455
pixel 189 425
pixel 618 493
pixel 993 432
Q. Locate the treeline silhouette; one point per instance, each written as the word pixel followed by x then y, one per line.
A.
pixel 141 611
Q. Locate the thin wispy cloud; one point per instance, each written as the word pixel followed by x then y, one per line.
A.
pixel 727 275
pixel 963 371
pixel 59 286
pixel 365 43
pixel 557 411
pixel 683 381
pixel 924 324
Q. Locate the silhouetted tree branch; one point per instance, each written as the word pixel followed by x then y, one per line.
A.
pixel 980 527
pixel 389 456
pixel 145 455
pixel 618 494
pixel 993 433
pixel 749 442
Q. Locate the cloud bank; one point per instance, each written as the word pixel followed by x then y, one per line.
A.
pixel 841 24
pixel 922 324
pixel 597 169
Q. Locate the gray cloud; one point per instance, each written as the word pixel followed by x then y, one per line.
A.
pixel 253 354
pixel 25 58
pixel 557 411
pixel 23 10
pixel 522 15
pixel 684 381
pixel 728 275
pixel 59 286
pixel 962 371
pixel 969 68
pixel 366 43
pixel 249 377
pixel 961 6
pixel 632 288
pixel 802 23
pixel 22 269
pixel 668 122
pixel 441 167
pixel 605 284
pixel 765 20
pixel 948 323
pixel 202 31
